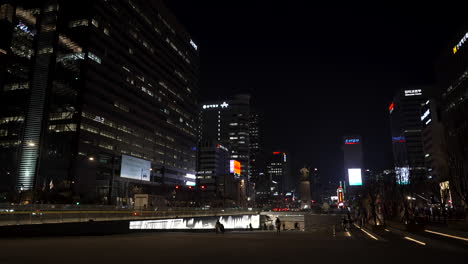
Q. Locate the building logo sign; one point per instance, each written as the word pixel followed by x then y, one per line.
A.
pixel 221 147
pixel 460 43
pixel 413 92
pixel 223 105
pixel 398 139
pixel 390 108
pixel 351 141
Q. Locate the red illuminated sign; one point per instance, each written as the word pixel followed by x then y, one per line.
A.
pixel 390 108
pixel 276 153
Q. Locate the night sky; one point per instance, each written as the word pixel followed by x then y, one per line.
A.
pixel 319 71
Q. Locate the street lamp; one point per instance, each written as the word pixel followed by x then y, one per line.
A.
pixel 91 158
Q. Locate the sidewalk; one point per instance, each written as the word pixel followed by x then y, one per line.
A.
pixel 450 229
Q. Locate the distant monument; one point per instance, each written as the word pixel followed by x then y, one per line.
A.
pixel 304 188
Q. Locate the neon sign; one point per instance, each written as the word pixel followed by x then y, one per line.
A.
pixel 398 139
pixel 460 43
pixel 276 153
pixel 351 141
pixel 390 108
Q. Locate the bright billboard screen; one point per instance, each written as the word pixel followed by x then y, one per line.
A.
pixel 355 177
pixel 209 222
pixel 135 168
pixel 402 175
pixel 235 167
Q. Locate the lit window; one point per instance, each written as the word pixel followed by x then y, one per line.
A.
pixel 78 23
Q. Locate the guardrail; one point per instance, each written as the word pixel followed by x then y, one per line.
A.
pixel 44 214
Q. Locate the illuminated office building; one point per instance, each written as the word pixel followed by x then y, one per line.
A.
pixel 433 140
pixel 227 121
pixel 406 132
pixel 255 150
pixel 278 171
pixel 80 87
pixel 452 94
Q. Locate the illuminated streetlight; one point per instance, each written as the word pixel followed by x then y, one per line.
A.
pixel 91 158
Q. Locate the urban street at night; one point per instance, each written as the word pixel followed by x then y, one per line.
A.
pixel 233 131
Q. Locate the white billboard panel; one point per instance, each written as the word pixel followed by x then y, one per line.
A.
pixel 229 222
pixel 135 168
pixel 355 177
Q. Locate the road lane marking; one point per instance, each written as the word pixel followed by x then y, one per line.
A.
pixel 367 233
pixel 414 240
pixel 446 235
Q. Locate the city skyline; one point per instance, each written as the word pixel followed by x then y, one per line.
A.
pixel 322 72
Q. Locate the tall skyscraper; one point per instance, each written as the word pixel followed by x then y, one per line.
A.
pixel 95 103
pixel 227 121
pixel 353 161
pixel 433 140
pixel 255 148
pixel 452 93
pixel 406 129
pixel 278 171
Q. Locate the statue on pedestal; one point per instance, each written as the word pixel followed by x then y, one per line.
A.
pixel 304 174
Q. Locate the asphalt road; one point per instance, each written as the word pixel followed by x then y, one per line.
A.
pixel 234 247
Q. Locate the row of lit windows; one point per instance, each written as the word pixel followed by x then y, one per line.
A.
pixel 58 128
pixel 108 134
pixel 6 120
pixel 60 116
pixel 16 86
pixel 9 144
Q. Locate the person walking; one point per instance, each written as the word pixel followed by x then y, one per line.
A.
pixel 217 226
pixel 278 225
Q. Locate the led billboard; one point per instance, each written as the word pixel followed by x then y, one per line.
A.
pixel 355 176
pixel 209 222
pixel 135 168
pixel 235 167
pixel 402 175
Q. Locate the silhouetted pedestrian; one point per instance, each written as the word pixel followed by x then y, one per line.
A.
pixel 278 225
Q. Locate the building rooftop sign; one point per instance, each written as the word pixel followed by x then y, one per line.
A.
pixel 351 141
pixel 390 108
pixel 413 92
pixel 460 43
pixel 223 105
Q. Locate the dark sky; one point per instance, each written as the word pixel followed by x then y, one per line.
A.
pixel 319 70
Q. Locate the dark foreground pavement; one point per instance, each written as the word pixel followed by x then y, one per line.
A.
pixel 235 247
